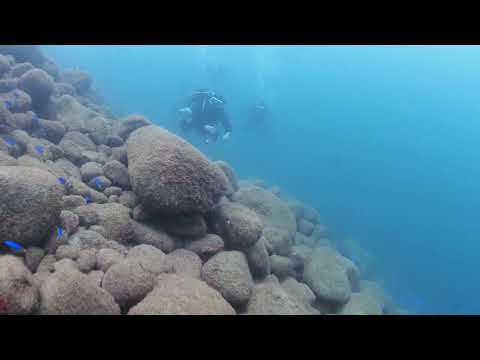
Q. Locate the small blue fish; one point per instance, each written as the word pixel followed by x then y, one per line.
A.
pixel 62 180
pixel 8 104
pixel 35 120
pixel 10 141
pixel 88 199
pixel 13 245
pixel 40 149
pixel 16 93
pixel 59 232
pixel 98 183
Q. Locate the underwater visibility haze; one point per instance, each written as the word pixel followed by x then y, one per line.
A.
pixel 382 140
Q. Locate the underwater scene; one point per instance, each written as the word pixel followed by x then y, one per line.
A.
pixel 239 180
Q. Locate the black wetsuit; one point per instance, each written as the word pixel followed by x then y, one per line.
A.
pixel 205 113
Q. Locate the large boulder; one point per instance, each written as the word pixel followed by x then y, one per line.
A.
pixel 258 259
pixel 115 218
pixel 74 144
pixel 186 262
pixel 152 259
pixel 18 290
pixel 52 130
pixel 20 69
pixel 280 224
pixel 30 204
pixel 20 102
pixel 239 226
pixel 87 239
pixel 39 85
pixel 299 291
pixel 281 266
pixel 305 227
pixel 206 246
pixel 128 282
pixel 269 298
pixel 68 168
pixel 170 175
pixel 152 235
pixel 91 170
pixel 77 117
pixel 107 257
pixel 87 260
pixel 117 173
pixel 228 273
pixel 69 292
pixel 177 294
pixel 331 276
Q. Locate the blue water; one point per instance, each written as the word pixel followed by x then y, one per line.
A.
pixel 383 140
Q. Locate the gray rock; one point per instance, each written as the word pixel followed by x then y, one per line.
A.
pixel 269 298
pixel 228 273
pixel 117 173
pixel 281 266
pixel 258 259
pixel 18 289
pixel 157 159
pixel 152 235
pixel 30 204
pixel 176 294
pixel 186 262
pixel 90 170
pixel 113 190
pixel 69 292
pixel 329 275
pixel 67 252
pixel 238 226
pixel 107 258
pixel 128 282
pixel 87 260
pixel 71 202
pixel 151 259
pixel 99 183
pixel 280 223
pixel 69 221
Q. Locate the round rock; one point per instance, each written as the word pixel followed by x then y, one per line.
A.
pixel 228 273
pixel 30 204
pixel 170 175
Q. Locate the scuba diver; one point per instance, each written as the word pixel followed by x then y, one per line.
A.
pixel 258 116
pixel 259 112
pixel 204 111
